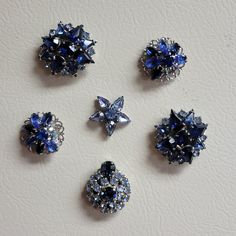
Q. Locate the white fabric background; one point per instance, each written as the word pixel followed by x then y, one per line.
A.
pixel 43 196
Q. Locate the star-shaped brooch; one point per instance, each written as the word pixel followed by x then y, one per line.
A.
pixel 110 114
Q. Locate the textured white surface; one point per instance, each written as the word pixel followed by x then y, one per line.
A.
pixel 44 196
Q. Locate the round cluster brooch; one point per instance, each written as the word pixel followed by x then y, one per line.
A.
pixel 108 189
pixel 42 133
pixel 67 49
pixel 163 59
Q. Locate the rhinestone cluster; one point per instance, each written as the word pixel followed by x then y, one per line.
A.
pixel 110 114
pixel 181 137
pixel 163 59
pixel 108 189
pixel 42 133
pixel 67 49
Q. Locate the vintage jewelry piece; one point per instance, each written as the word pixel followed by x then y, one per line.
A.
pixel 163 59
pixel 110 114
pixel 108 189
pixel 181 137
pixel 67 49
pixel 42 133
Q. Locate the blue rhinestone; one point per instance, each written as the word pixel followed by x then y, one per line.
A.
pixel 111 114
pixel 175 48
pixel 118 104
pixel 189 119
pixel 180 60
pixel 103 102
pixel 152 62
pixel 156 73
pixel 35 120
pixel 163 47
pixel 42 135
pixel 151 51
pixel 168 61
pixel 83 59
pixel 39 148
pixel 51 146
pixel 46 118
pixel 107 168
pixel 109 194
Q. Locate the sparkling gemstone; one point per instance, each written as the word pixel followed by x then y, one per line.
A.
pixel 180 60
pixel 110 127
pixel 40 148
pixel 152 62
pixel 109 193
pixel 97 116
pixel 51 146
pixel 118 104
pixel 156 73
pixel 103 102
pixel 46 118
pixel 42 135
pixel 35 120
pixel 163 47
pixel 151 51
pixel 57 64
pixel 107 168
pixel 123 118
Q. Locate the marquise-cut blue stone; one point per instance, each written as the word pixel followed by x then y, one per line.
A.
pixel 118 104
pixel 103 102
pixel 42 135
pixel 152 62
pixel 123 118
pixel 46 118
pixel 163 47
pixel 110 127
pixel 35 120
pixel 97 116
pixel 51 146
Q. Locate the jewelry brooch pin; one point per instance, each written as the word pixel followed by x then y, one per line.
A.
pixel 108 189
pixel 67 49
pixel 180 138
pixel 163 59
pixel 42 133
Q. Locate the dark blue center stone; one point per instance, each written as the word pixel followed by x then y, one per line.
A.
pixel 108 168
pixel 111 114
pixel 42 135
pixel 109 193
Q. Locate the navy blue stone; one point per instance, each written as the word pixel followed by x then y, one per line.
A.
pixel 107 168
pixel 109 194
pixel 152 62
pixel 57 64
pixel 46 118
pixel 175 48
pixel 156 73
pixel 168 61
pixel 151 51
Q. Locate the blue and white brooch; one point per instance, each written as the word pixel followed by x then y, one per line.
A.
pixel 67 49
pixel 163 59
pixel 110 114
pixel 181 137
pixel 42 133
pixel 108 189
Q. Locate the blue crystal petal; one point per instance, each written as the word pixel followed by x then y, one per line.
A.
pixel 123 118
pixel 35 120
pixel 118 104
pixel 180 60
pixel 163 47
pixel 51 146
pixel 46 118
pixel 97 116
pixel 110 127
pixel 103 102
pixel 42 135
pixel 189 119
pixel 152 62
